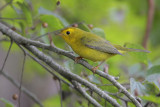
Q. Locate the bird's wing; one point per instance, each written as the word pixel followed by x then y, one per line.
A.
pixel 99 45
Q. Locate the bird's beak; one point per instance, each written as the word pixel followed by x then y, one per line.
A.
pixel 58 32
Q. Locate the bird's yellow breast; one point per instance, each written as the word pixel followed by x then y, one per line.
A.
pixel 89 53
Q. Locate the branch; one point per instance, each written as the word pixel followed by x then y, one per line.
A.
pixel 27 92
pixel 149 22
pixel 85 94
pixel 45 67
pixel 69 75
pixel 23 41
pixel 79 89
pixel 116 95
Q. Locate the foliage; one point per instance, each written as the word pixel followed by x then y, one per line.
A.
pixel 119 21
pixel 7 103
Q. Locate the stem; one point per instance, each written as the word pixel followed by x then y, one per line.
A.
pixel 6 56
pixel 19 100
pixel 149 22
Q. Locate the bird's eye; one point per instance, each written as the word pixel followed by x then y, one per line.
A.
pixel 68 32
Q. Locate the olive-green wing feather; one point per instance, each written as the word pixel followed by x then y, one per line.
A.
pixel 130 49
pixel 99 44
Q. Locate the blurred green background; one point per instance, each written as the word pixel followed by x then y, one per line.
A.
pixel 119 21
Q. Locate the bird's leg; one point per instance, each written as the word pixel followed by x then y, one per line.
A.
pixel 77 58
pixel 96 67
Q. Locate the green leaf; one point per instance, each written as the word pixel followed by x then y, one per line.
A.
pixel 53 22
pixel 137 86
pixel 151 98
pixel 45 38
pixel 94 79
pixel 151 88
pixel 56 102
pixel 83 26
pixel 82 103
pixel 130 104
pixel 52 102
pixel 155 78
pixel 43 11
pixel 98 31
pixel 140 56
pixel 154 69
pixel 18 1
pixel 7 103
pixel 22 25
pixel 69 65
pixel 33 67
pixel 14 48
pixel 136 70
pixel 27 13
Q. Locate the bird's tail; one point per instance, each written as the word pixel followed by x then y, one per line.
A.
pixel 124 49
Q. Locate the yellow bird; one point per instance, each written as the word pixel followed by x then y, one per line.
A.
pixel 90 46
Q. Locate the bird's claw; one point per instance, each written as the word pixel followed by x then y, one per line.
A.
pixel 77 59
pixel 94 69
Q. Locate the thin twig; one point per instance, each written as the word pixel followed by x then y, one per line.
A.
pixel 6 56
pixel 91 93
pixel 37 37
pixel 126 85
pixel 116 95
pixel 85 94
pixel 4 39
pixel 27 92
pixel 105 103
pixel 126 103
pixel 151 8
pixel 24 60
pixel 45 67
pixel 60 92
pixel 1 8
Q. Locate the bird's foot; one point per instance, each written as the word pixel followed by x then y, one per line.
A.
pixel 77 59
pixel 94 69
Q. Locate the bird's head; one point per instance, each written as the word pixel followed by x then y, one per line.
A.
pixel 70 34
